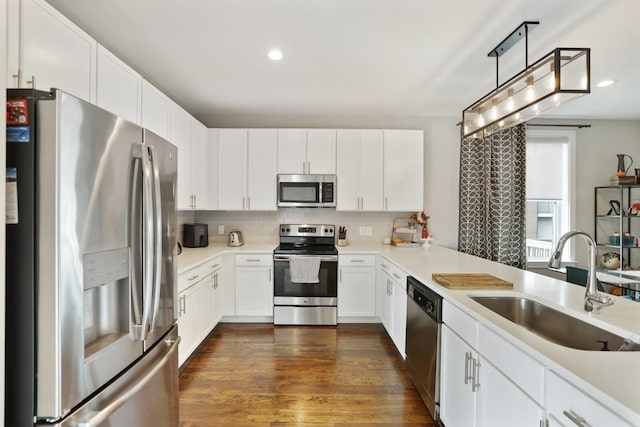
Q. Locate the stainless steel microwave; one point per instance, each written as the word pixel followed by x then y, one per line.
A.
pixel 307 191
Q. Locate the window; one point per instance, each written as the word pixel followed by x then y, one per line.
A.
pixel 550 191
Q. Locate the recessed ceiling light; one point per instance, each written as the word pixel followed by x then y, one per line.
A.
pixel 605 83
pixel 275 55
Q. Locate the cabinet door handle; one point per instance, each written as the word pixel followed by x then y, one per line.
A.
pixel 19 78
pixel 193 277
pixel 475 381
pixel 357 260
pixel 182 304
pixel 386 203
pixel 309 167
pixel 396 276
pixel 32 82
pixel 253 260
pixel 215 265
pixel 304 167
pixel 270 274
pixel 577 419
pixel 249 202
pixel 243 203
pixel 467 359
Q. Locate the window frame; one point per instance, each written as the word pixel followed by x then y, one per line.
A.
pixel 568 136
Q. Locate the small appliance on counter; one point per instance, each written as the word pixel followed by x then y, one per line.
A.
pixel 235 238
pixel 195 235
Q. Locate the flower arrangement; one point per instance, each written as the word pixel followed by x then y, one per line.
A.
pixel 421 218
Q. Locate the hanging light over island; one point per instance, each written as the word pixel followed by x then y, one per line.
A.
pixel 558 77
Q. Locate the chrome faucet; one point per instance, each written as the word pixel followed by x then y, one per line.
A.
pixel 591 296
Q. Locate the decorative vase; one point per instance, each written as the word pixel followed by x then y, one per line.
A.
pixel 621 168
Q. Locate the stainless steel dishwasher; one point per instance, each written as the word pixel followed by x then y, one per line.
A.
pixel 424 318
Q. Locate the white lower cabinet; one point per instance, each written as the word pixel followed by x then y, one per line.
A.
pixel 500 388
pixel 399 314
pixel 199 305
pixel 254 285
pixel 356 285
pixel 476 393
pixel 392 285
pixel 568 406
pixel 189 323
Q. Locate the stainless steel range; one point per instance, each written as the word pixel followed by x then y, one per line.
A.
pixel 306 275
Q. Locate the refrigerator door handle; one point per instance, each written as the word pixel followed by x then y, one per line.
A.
pixel 140 329
pixel 99 417
pixel 157 237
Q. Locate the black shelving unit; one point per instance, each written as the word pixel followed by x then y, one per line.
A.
pixel 606 222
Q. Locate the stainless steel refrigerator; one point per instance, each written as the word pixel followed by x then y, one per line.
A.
pixel 91 332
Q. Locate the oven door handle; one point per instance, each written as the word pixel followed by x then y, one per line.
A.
pixel 329 258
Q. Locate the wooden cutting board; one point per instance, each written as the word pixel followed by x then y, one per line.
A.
pixel 471 281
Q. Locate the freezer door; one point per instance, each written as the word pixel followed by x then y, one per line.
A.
pixel 164 166
pixel 145 396
pixel 85 272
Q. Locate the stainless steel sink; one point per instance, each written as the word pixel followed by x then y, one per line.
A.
pixel 555 326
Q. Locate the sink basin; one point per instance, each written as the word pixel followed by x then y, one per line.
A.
pixel 555 326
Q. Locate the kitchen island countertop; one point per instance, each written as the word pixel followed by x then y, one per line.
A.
pixel 616 374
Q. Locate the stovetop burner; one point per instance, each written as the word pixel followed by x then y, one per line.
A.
pixel 307 239
pixel 302 249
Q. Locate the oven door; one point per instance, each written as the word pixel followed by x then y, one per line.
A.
pixel 287 292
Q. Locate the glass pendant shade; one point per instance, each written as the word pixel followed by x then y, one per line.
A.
pixel 560 76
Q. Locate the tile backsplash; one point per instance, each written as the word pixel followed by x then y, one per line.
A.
pixel 258 227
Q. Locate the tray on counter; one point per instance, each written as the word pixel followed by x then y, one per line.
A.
pixel 470 281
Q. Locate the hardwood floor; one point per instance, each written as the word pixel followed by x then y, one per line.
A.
pixel 265 375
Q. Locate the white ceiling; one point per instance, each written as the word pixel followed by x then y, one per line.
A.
pixel 360 57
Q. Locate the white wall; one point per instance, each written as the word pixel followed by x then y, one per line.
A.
pixel 596 160
pixel 441 157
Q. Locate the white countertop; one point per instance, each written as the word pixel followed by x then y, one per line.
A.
pixel 192 257
pixel 617 374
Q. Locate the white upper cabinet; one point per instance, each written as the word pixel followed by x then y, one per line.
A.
pixel 211 179
pixel 232 169
pixel 201 169
pixel 262 169
pixel 321 151
pixel 156 110
pixel 46 50
pixel 292 156
pixel 359 165
pixel 180 136
pixel 311 151
pixel 247 169
pixel 119 87
pixel 403 170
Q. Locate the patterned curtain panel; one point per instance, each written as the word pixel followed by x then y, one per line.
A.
pixel 492 197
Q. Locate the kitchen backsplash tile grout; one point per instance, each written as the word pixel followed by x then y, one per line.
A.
pixel 258 227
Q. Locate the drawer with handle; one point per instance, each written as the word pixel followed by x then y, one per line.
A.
pixel 193 276
pixel 254 260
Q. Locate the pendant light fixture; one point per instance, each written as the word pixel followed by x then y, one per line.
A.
pixel 560 76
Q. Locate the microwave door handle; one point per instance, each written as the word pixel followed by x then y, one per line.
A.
pixel 157 236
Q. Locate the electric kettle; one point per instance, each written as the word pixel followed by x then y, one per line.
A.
pixel 235 238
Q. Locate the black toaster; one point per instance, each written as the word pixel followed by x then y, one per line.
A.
pixel 195 235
